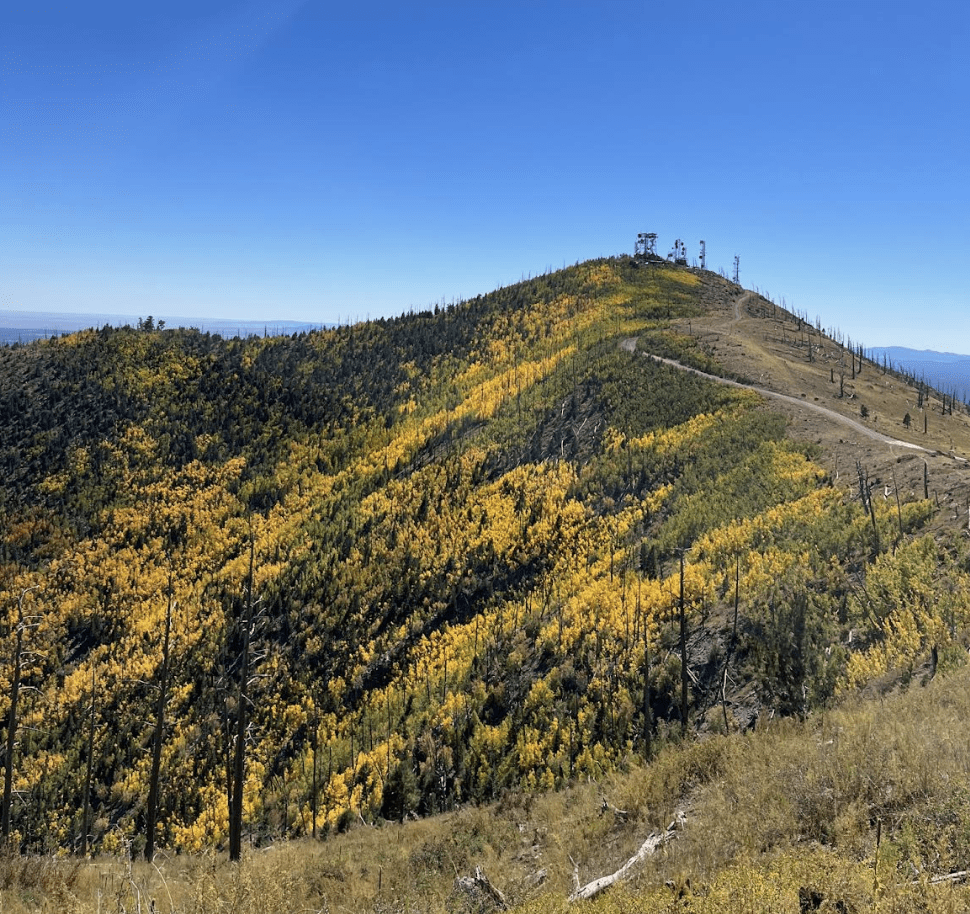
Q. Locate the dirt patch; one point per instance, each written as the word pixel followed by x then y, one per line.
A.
pixel 852 409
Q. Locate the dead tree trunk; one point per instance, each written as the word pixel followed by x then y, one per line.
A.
pixel 733 642
pixel 865 494
pixel 479 887
pixel 12 721
pixel 242 705
pixel 152 811
pixel 12 724
pixel 314 790
pixel 647 715
pixel 683 653
pixel 89 769
pixel 649 846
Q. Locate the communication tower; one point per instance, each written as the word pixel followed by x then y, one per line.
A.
pixel 737 270
pixel 646 245
pixel 703 256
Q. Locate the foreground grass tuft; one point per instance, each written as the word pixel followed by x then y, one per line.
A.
pixel 860 808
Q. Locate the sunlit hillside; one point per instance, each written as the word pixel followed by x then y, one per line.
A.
pixel 389 570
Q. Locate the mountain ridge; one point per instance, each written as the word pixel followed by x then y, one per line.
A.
pixel 946 371
pixel 466 531
pixel 18 327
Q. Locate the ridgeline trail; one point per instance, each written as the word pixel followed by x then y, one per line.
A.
pixel 630 345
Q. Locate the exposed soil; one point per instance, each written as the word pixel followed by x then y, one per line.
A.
pixel 808 377
pixel 854 416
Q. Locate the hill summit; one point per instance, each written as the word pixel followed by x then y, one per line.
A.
pixel 269 587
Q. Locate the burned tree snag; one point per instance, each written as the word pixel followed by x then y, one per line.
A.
pixel 647 716
pixel 21 627
pixel 89 769
pixel 865 494
pixel 242 719
pixel 683 653
pixel 152 812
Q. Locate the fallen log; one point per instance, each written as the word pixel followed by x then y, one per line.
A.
pixel 960 876
pixel 649 847
pixel 479 886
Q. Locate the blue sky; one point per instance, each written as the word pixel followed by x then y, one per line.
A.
pixel 325 161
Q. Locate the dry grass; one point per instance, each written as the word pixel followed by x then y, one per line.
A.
pixel 795 806
pixel 766 346
pixel 410 867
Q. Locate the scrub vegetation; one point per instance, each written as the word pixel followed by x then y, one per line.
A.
pixel 491 586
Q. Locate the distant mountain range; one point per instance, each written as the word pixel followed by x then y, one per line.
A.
pixel 946 371
pixel 24 326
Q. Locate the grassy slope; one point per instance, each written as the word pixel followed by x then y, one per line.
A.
pixel 794 805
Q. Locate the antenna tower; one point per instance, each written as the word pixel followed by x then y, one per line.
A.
pixel 703 256
pixel 737 270
pixel 646 245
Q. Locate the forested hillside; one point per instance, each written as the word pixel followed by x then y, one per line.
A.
pixel 390 568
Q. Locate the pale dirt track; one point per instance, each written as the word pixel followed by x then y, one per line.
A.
pixel 630 345
pixel 737 307
pixel 744 332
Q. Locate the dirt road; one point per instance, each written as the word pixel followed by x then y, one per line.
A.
pixel 630 345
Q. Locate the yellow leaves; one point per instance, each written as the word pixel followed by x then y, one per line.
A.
pixel 211 828
pixel 540 696
pixel 794 467
pixel 530 749
pixel 682 278
pixel 78 466
pixel 136 444
pixel 613 441
pixel 756 537
pixel 910 606
pixel 490 739
pixel 602 275
pixel 671 439
pixel 74 340
pixel 492 393
pixel 401 526
pixel 591 762
pixel 253 788
pixel 452 709
pixel 698 584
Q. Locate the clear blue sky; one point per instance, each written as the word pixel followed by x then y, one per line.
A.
pixel 324 161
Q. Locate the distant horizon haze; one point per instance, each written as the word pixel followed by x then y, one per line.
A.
pixel 24 326
pixel 45 323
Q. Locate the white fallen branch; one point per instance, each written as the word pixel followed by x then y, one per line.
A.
pixel 961 876
pixel 649 847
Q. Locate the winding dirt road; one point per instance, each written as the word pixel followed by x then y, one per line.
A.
pixel 630 345
pixel 737 307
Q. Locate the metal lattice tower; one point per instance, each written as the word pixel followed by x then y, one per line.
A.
pixel 680 252
pixel 703 256
pixel 737 270
pixel 646 245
